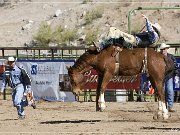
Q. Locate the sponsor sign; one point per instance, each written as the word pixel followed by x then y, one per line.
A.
pixel 117 82
pixel 45 77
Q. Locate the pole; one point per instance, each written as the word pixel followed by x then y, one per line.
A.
pixel 4 94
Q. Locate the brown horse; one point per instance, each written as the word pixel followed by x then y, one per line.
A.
pixel 131 63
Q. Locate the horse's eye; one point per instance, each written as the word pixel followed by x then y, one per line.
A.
pixel 73 83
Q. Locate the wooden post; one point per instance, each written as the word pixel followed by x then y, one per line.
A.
pixel 3 52
pixel 4 94
pixel 17 53
pixel 39 54
pixel 52 54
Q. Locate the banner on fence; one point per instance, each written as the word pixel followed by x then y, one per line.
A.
pixel 117 82
pixel 45 78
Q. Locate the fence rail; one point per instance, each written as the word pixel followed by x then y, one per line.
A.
pixel 43 52
pixel 37 53
pixel 33 53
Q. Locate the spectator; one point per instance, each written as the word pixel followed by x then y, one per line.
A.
pixel 169 92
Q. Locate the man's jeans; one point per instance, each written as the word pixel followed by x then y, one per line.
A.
pixel 17 97
pixel 169 93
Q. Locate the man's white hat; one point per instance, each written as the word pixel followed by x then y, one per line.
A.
pixel 11 59
pixel 163 46
pixel 157 26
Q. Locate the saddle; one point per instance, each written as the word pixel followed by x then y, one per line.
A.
pixel 116 55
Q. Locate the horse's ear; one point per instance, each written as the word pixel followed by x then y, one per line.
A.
pixel 68 67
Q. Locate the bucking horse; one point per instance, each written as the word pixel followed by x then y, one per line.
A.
pixel 131 62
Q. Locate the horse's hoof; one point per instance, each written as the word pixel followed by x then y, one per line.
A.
pixel 102 106
pixel 155 117
pixel 159 114
pixel 102 109
pixel 97 109
pixel 165 116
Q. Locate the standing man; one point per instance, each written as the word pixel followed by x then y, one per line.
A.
pixel 169 92
pixel 20 82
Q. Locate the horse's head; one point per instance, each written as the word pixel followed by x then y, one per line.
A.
pixel 76 80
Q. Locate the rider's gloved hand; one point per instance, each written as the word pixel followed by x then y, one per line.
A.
pixel 145 17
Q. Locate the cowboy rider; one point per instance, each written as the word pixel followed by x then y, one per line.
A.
pixel 147 38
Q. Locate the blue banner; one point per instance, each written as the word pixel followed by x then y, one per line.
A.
pixel 176 84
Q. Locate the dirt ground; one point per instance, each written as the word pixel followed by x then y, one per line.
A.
pixel 80 118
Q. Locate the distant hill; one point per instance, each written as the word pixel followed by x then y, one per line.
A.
pixel 21 19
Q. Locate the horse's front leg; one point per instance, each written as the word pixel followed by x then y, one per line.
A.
pixel 101 102
pixel 102 83
pixel 97 99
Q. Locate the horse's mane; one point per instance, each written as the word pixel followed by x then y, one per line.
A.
pixel 84 59
pixel 87 59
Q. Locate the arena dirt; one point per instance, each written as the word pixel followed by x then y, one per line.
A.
pixel 80 118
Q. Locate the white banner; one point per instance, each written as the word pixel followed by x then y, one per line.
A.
pixel 45 79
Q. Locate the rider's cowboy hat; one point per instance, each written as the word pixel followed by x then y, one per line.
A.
pixel 163 46
pixel 12 59
pixel 157 27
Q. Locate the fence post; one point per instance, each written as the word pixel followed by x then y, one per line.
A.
pixel 4 94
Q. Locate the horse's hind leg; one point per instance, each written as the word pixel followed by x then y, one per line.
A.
pixel 162 109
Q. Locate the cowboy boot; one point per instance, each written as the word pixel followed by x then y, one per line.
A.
pixel 98 49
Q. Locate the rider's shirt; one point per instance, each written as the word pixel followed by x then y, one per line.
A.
pixel 147 38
